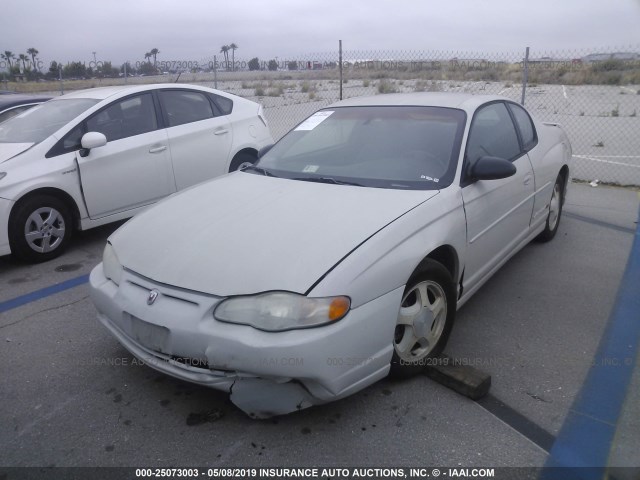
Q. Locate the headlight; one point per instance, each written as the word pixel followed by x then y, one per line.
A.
pixel 278 311
pixel 2 175
pixel 111 265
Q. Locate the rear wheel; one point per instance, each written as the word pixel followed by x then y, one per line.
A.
pixel 425 319
pixel 242 160
pixel 555 211
pixel 40 228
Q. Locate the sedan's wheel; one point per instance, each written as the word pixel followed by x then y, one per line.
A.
pixel 39 228
pixel 242 160
pixel 424 320
pixel 555 211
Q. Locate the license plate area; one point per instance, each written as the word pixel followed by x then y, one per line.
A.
pixel 153 337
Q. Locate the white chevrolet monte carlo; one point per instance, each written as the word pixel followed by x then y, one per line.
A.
pixel 96 156
pixel 341 255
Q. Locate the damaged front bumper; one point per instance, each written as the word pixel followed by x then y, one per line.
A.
pixel 266 373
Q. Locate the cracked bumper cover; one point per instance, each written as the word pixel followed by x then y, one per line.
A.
pixel 267 373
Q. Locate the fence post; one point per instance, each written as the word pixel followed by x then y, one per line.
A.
pixel 125 72
pixel 525 75
pixel 215 72
pixel 340 64
pixel 61 83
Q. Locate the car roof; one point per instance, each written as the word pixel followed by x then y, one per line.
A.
pixel 16 99
pixel 464 101
pixel 102 93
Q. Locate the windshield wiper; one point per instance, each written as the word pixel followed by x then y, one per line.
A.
pixel 327 180
pixel 261 170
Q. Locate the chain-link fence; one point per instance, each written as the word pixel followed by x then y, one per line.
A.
pixel 594 94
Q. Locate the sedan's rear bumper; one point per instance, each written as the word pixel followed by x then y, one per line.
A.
pixel 267 373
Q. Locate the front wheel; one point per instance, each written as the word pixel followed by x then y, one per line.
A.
pixel 555 211
pixel 425 319
pixel 242 160
pixel 40 228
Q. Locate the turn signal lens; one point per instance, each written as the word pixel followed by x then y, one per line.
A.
pixel 339 308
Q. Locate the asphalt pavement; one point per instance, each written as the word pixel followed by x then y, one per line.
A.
pixel 72 396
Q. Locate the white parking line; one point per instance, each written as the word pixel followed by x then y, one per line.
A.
pixel 564 92
pixel 585 157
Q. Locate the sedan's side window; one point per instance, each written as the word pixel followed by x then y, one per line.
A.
pixel 223 103
pixel 525 125
pixel 492 134
pixel 182 107
pixel 125 118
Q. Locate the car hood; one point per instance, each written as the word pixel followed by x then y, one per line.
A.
pixel 10 150
pixel 245 233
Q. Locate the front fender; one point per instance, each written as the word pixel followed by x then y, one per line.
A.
pixel 387 260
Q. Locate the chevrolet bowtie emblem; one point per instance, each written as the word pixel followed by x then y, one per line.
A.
pixel 153 294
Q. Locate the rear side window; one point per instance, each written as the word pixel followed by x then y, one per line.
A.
pixel 525 125
pixel 183 107
pixel 125 118
pixel 492 134
pixel 223 103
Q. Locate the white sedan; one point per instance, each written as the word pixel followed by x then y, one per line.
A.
pixel 341 255
pixel 97 156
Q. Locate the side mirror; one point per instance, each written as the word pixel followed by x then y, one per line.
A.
pixel 492 168
pixel 91 140
pixel 264 150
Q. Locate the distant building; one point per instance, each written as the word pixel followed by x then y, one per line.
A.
pixel 601 57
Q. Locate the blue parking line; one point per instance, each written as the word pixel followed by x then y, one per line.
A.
pixel 42 293
pixel 587 434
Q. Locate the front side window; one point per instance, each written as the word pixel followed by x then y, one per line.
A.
pixel 492 134
pixel 403 147
pixel 39 122
pixel 182 106
pixel 125 118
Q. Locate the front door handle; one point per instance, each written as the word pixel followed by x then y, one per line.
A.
pixel 221 131
pixel 159 149
pixel 527 179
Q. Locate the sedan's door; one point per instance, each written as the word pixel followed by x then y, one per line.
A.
pixel 200 140
pixel 134 168
pixel 498 212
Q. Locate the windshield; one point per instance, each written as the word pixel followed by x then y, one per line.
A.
pixel 39 122
pixel 383 146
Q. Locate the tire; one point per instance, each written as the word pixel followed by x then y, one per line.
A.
pixel 555 211
pixel 242 159
pixel 40 228
pixel 420 335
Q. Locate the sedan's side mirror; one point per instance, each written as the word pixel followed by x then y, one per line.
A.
pixel 492 168
pixel 91 140
pixel 264 150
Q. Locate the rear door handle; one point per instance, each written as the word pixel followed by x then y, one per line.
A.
pixel 159 149
pixel 220 131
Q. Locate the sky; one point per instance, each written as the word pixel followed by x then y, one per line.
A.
pixel 194 30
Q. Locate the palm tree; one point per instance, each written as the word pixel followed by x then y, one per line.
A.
pixel 233 48
pixel 23 58
pixel 225 51
pixel 8 56
pixel 154 52
pixel 33 52
pixel 147 56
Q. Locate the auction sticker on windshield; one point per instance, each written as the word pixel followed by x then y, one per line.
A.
pixel 314 120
